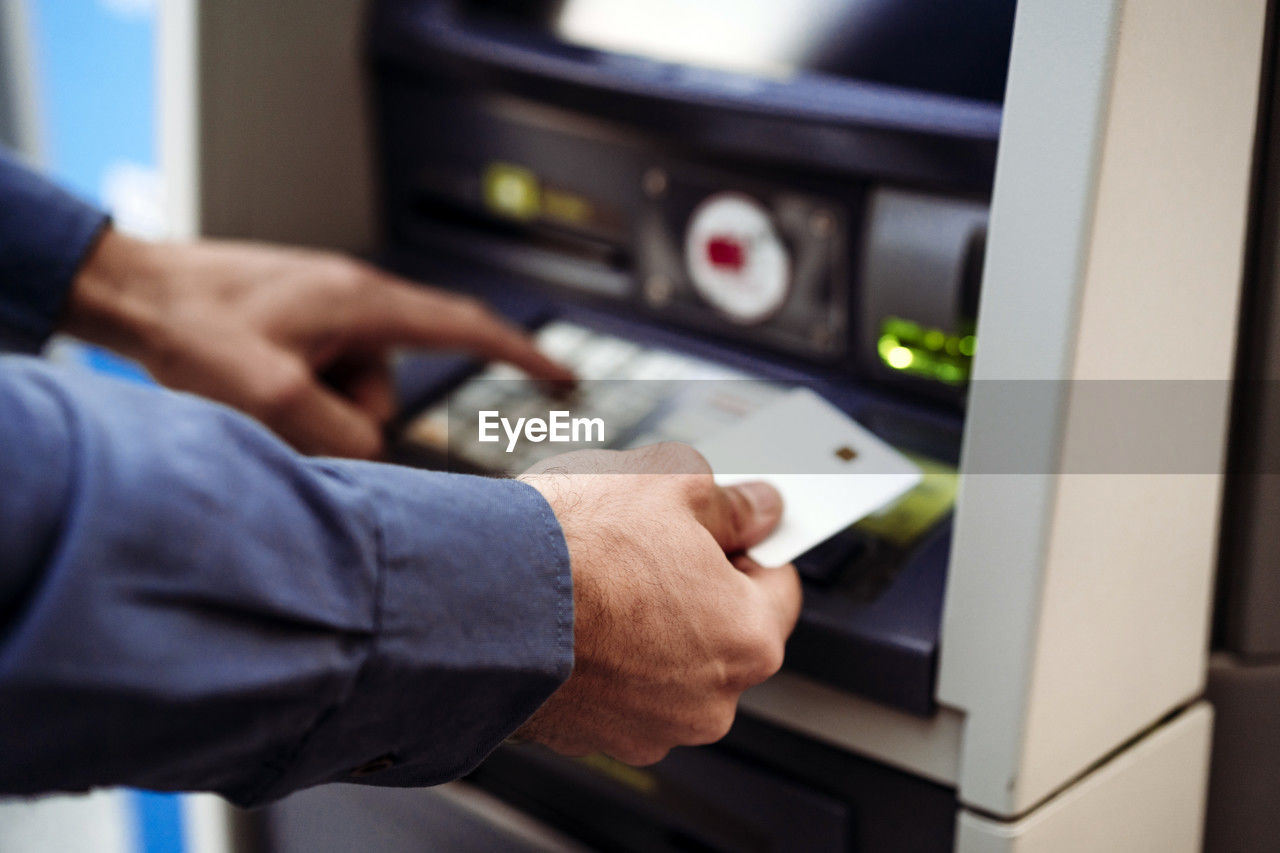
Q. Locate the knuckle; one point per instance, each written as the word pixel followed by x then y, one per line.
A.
pixel 765 661
pixel 674 457
pixel 741 677
pixel 699 490
pixel 713 726
pixel 280 389
pixel 772 659
pixel 728 677
pixel 761 657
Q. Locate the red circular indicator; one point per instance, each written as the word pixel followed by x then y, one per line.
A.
pixel 735 259
pixel 726 253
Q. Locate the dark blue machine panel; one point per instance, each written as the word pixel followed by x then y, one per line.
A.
pixel 875 636
pixel 457 96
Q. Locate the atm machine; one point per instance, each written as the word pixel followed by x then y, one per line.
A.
pixel 986 275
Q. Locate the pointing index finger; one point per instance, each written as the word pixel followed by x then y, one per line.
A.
pixel 420 316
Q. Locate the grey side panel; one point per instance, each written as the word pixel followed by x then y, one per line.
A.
pixel 19 125
pixel 1244 782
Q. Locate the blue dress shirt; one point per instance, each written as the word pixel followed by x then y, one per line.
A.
pixel 188 604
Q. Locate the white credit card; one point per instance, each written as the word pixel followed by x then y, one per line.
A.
pixel 830 470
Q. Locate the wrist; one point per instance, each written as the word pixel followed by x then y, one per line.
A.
pixel 552 487
pixel 118 297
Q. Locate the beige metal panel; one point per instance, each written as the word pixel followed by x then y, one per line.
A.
pixel 1124 624
pixel 1131 557
pixel 1098 585
pixel 928 747
pixel 1164 267
pixel 282 139
pixel 176 92
pixel 1148 799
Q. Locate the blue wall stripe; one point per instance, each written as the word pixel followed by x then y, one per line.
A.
pixel 157 822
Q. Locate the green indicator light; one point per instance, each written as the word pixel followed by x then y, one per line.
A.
pixel 900 328
pixel 926 352
pixel 899 357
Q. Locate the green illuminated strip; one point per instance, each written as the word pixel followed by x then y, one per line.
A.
pixel 908 347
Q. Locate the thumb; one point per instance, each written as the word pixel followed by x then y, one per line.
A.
pixel 742 515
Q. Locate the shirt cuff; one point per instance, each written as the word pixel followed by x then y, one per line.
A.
pixel 474 631
pixel 45 234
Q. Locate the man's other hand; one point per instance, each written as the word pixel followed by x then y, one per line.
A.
pixel 299 339
pixel 668 629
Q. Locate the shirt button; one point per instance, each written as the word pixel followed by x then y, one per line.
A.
pixel 377 765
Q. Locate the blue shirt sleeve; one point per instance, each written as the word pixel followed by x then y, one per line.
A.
pixel 45 234
pixel 187 604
